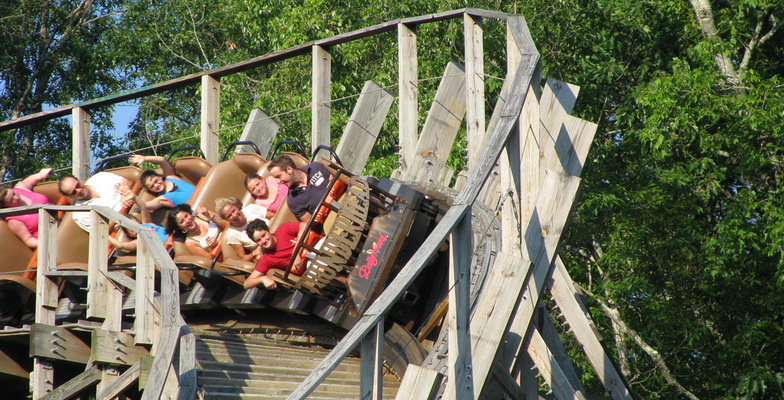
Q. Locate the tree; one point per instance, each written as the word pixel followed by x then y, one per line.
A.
pixel 52 54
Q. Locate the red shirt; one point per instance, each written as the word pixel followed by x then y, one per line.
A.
pixel 279 258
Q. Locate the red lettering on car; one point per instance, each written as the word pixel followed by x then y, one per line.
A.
pixel 372 260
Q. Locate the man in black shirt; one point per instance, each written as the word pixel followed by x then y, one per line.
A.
pixel 306 185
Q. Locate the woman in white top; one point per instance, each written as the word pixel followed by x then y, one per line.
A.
pixel 229 209
pixel 199 232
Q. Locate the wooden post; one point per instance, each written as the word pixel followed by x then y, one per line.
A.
pixel 210 118
pixel 322 79
pixel 145 286
pixel 576 314
pixel 42 377
pixel 460 380
pixel 408 93
pixel 440 129
pixel 475 85
pixel 371 378
pixel 80 158
pixel 98 284
pixel 363 127
pixel 261 130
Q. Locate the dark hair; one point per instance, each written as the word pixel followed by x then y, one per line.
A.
pixel 282 161
pixel 171 219
pixel 256 225
pixel 251 176
pixel 60 184
pixel 3 191
pixel 146 174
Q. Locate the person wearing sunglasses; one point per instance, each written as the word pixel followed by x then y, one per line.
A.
pixel 103 189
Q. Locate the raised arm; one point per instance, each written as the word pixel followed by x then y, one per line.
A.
pixel 138 159
pixel 32 180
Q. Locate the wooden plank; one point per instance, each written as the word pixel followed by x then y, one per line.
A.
pixel 9 367
pixel 507 118
pixel 491 315
pixel 371 378
pixel 441 125
pixel 80 154
pixel 164 348
pixel 551 371
pixel 383 303
pixel 57 343
pixel 459 378
pixel 576 314
pixel 74 386
pixel 210 118
pixel 506 382
pixel 419 383
pixel 557 352
pixel 363 126
pixel 475 84
pixel 187 368
pixel 115 348
pixel 320 108
pixel 408 94
pixel 45 297
pixel 260 129
pixel 120 384
pixel 98 284
pixel 230 69
pixel 145 287
pixel 490 320
pixel 558 99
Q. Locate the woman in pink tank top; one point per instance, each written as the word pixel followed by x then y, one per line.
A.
pixel 24 226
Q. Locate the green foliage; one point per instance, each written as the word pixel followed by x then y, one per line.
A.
pixel 680 224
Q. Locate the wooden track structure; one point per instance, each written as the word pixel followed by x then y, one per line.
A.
pixel 525 162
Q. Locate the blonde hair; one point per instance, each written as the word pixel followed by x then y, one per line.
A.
pixel 221 202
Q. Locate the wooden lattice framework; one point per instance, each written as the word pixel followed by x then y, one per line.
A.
pixel 526 160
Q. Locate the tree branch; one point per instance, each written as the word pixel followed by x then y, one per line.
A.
pixel 661 366
pixel 704 14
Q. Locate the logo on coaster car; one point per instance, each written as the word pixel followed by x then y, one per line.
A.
pixel 372 260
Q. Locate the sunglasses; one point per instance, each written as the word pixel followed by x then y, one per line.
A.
pixel 76 187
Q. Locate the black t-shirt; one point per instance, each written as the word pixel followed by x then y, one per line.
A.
pixel 305 199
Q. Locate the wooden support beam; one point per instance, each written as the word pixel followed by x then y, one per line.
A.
pixel 383 303
pixel 363 126
pixel 115 348
pixel 408 94
pixel 475 85
pixel 440 129
pixel 122 383
pixel 260 129
pixel 80 161
pixel 576 314
pixel 187 368
pixel 419 383
pixel 210 118
pixel 57 343
pixel 459 378
pixel 556 350
pixel 170 318
pixel 98 285
pixel 501 375
pixel 371 376
pixel 76 385
pixel 491 315
pixel 9 367
pixel 145 287
pixel 551 370
pixel 42 377
pixel 321 107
